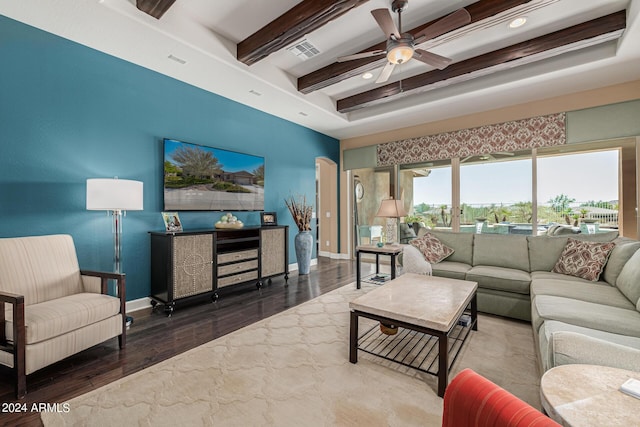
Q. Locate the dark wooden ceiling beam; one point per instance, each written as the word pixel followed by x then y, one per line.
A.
pixel 302 19
pixel 589 30
pixel 155 8
pixel 339 71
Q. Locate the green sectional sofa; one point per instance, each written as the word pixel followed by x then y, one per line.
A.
pixel 571 317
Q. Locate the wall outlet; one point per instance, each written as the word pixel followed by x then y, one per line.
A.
pixel 328 214
pixel 327 243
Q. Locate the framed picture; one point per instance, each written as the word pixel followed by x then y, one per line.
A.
pixel 171 221
pixel 268 218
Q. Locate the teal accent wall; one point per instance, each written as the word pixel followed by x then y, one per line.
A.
pixel 68 113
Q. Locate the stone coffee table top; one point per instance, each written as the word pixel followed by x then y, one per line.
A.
pixel 427 301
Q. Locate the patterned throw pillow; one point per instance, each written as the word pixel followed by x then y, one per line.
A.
pixel 583 259
pixel 432 248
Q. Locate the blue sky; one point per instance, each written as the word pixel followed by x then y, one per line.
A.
pixel 584 177
pixel 231 161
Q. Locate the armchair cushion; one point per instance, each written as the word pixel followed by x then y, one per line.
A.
pixel 41 268
pixel 50 319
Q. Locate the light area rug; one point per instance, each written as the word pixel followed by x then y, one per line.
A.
pixel 293 369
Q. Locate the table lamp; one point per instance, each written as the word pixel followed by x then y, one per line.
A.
pixel 392 210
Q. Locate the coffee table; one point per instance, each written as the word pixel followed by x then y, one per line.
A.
pixel 588 395
pixel 426 310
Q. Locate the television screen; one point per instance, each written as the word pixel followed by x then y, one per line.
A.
pixel 199 178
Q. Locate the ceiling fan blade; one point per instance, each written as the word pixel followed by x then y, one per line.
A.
pixel 360 55
pixel 386 72
pixel 450 22
pixel 440 62
pixel 385 21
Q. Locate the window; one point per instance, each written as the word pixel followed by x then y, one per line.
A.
pixel 426 188
pixel 495 193
pixel 579 190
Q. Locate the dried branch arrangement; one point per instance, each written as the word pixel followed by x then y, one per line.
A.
pixel 300 211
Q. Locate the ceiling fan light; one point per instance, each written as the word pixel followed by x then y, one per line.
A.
pixel 399 54
pixel 518 22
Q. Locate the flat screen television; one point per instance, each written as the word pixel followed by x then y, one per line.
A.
pixel 200 178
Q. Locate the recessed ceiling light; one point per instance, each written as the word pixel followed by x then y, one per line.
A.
pixel 518 22
pixel 367 75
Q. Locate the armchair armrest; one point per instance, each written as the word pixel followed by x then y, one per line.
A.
pixel 105 276
pixel 19 338
pixel 18 313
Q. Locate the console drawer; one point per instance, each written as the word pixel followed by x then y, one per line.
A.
pixel 238 278
pixel 237 256
pixel 225 270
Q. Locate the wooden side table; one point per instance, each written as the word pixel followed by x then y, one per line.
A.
pixel 390 250
pixel 589 395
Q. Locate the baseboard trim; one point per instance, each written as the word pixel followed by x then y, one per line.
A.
pixel 294 266
pixel 333 255
pixel 138 304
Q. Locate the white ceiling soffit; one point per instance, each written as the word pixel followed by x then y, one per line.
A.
pixel 195 41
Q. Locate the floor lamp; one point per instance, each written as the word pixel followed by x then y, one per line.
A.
pixel 392 210
pixel 116 196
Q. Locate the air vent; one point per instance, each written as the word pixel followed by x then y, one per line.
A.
pixel 178 60
pixel 304 50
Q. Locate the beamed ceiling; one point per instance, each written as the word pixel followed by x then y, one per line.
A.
pixel 280 56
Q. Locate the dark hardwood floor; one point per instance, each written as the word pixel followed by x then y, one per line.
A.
pixel 153 338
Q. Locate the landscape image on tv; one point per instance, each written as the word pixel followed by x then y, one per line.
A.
pixel 199 178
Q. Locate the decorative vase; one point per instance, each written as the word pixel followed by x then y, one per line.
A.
pixel 303 245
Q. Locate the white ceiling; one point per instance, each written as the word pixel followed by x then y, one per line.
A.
pixel 204 33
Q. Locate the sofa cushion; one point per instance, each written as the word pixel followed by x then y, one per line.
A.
pixel 586 314
pixel 544 251
pixel 561 344
pixel 56 317
pixel 450 269
pixel 500 278
pixel 628 280
pixel 431 248
pixel 583 259
pixel 509 251
pixel 461 243
pixel 40 268
pixel 580 289
pixel 618 258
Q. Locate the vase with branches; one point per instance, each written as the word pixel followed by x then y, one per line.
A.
pixel 301 211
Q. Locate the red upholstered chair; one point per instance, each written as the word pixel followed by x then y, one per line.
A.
pixel 472 400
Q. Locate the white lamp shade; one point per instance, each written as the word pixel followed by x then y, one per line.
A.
pixel 391 208
pixel 112 194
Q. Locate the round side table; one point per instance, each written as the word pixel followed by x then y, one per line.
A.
pixel 589 395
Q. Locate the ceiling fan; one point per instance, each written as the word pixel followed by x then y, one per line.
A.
pixel 401 47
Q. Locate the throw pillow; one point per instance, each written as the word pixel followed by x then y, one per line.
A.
pixel 583 259
pixel 432 249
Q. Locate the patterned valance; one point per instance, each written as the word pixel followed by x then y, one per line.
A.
pixel 517 135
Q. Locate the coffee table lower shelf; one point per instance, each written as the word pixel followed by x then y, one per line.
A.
pixel 412 346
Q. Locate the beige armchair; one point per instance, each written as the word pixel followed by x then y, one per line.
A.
pixel 49 308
